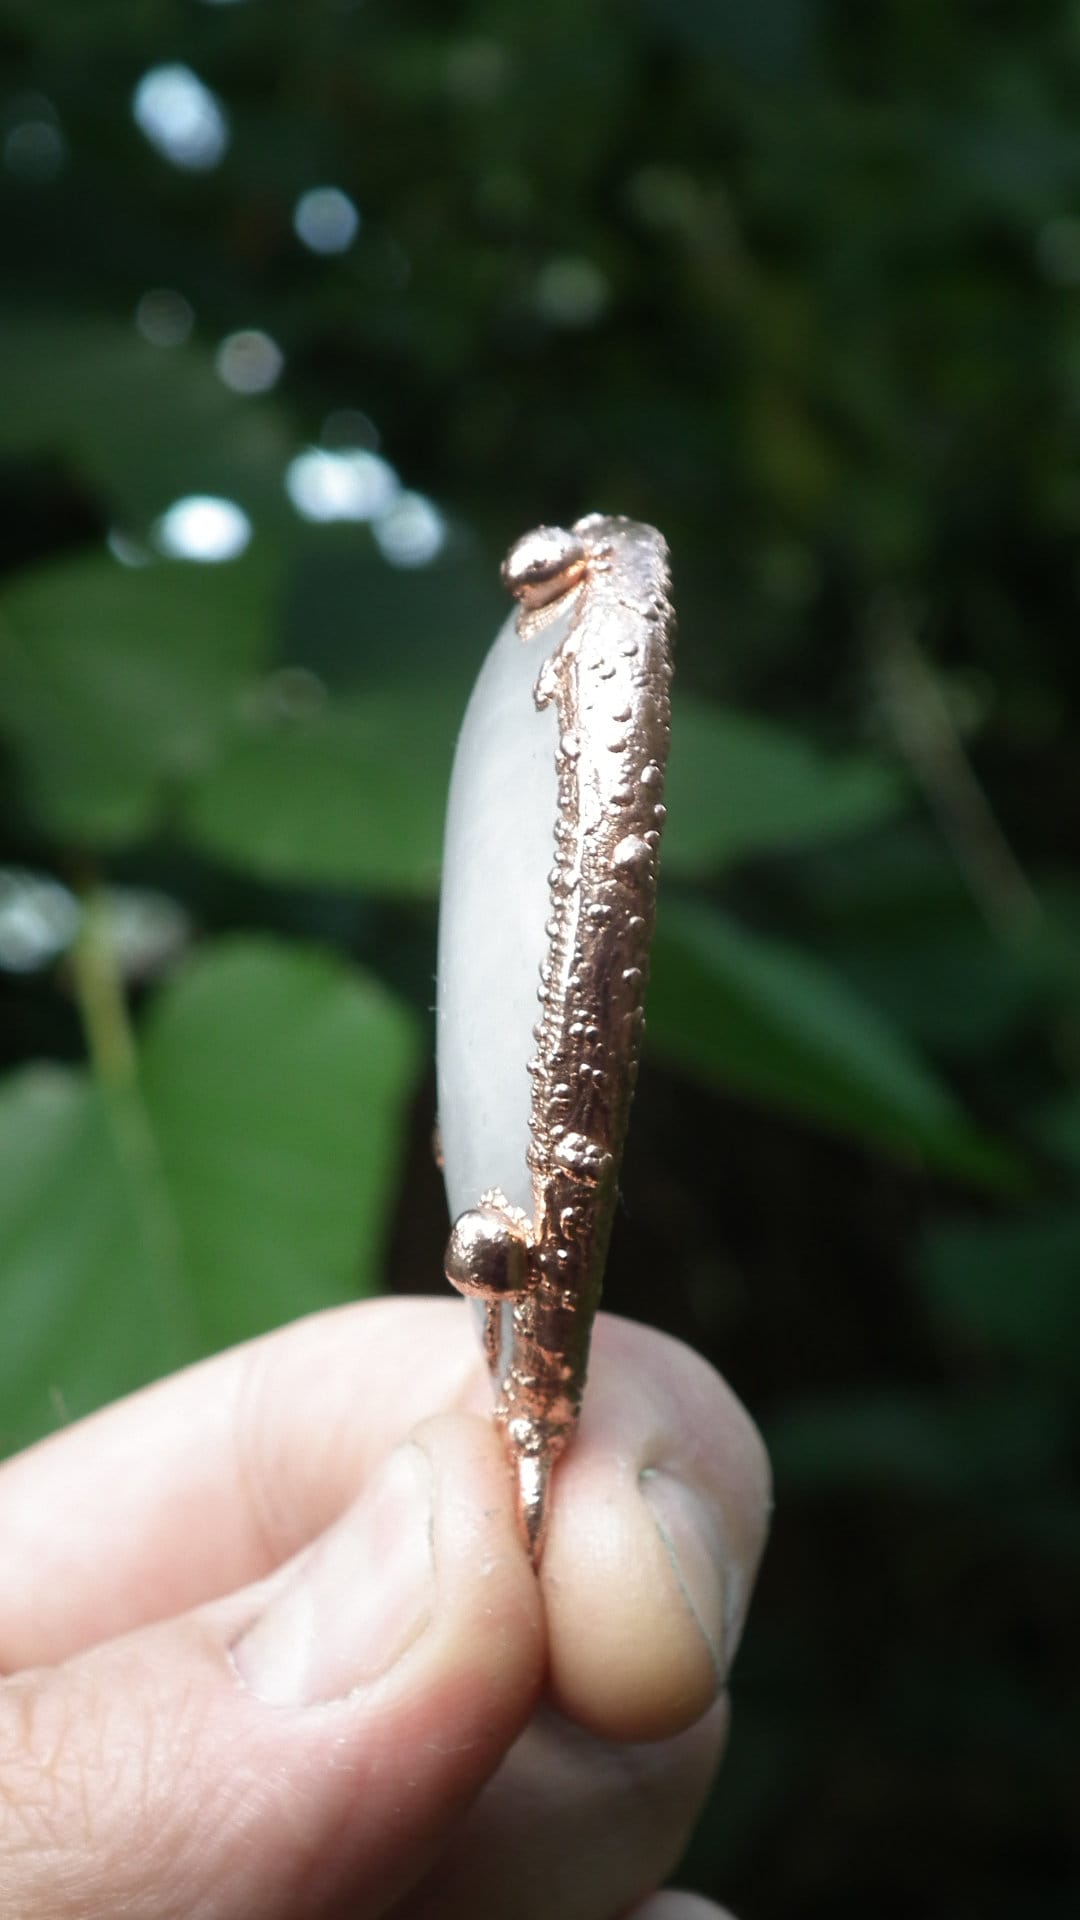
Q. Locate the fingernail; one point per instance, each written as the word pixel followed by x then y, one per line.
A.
pixel 357 1601
pixel 694 1545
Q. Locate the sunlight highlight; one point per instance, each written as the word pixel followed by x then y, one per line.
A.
pixel 181 118
pixel 249 361
pixel 203 527
pixel 349 484
pixel 326 220
pixel 164 317
pixel 412 533
pixel 34 147
pixel 38 919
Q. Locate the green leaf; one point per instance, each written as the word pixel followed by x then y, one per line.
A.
pixel 247 1179
pixel 116 683
pixel 276 1080
pixel 897 919
pixel 1010 1286
pixel 143 424
pixel 739 787
pixel 347 786
pixel 764 1020
pixel 352 795
pixel 947 980
pixel 82 1311
pixel 290 796
pixel 360 625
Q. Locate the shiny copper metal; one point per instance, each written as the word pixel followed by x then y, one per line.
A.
pixel 608 681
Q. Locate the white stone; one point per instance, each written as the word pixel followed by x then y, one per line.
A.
pixel 499 850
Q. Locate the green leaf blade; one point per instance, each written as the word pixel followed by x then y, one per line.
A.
pixel 118 683
pixel 740 787
pixel 246 1180
pixel 353 796
pixel 276 1080
pixel 764 1020
pixel 82 1316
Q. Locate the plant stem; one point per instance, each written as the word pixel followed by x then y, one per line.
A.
pixel 114 1060
pixel 929 739
pixel 102 1002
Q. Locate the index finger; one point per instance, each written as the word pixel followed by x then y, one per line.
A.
pixel 207 1481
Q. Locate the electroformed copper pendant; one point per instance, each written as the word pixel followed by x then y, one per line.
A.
pixel 549 898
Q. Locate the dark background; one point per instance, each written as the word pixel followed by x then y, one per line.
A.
pixel 800 283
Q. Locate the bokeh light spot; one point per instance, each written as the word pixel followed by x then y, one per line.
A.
pixel 181 118
pixel 326 220
pixel 128 551
pixel 293 693
pixel 38 919
pixel 348 484
pixel 34 148
pixel 203 527
pixel 412 533
pixel 477 71
pixel 249 361
pixel 164 317
pixel 571 292
pixel 349 427
pixel 148 930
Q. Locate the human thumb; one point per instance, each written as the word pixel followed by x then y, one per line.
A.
pixel 301 1744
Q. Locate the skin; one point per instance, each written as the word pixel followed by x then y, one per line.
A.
pixel 273 1645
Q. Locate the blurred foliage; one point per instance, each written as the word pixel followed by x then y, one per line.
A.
pixel 799 282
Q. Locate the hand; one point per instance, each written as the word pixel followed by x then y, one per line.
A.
pixel 273 1646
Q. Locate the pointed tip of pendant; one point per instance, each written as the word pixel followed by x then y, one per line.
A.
pixel 533 1473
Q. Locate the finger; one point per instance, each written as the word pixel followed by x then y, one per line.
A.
pixel 206 1481
pixel 654 1539
pixel 572 1826
pixel 301 1748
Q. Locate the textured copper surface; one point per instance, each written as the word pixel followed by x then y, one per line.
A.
pixel 608 682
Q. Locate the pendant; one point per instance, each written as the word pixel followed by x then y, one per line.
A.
pixel 548 906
